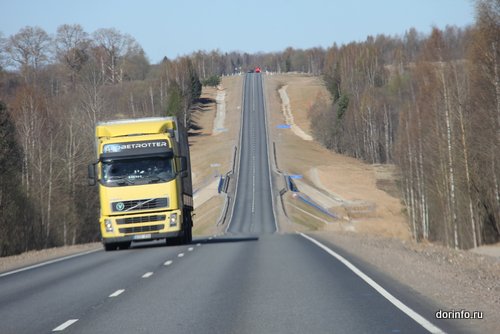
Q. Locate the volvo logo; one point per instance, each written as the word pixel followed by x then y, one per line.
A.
pixel 120 206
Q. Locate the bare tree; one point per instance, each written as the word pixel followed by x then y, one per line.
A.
pixel 484 53
pixel 91 94
pixel 3 55
pixel 29 48
pixel 72 47
pixel 112 46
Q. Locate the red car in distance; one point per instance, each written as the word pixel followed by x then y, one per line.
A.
pixel 257 69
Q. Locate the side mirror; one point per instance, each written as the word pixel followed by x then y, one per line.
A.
pixel 92 180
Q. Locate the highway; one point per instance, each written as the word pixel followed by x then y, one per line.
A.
pixel 253 206
pixel 253 279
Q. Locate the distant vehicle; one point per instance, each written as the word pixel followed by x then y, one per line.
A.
pixel 257 69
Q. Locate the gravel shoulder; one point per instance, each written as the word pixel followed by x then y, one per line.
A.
pixel 37 256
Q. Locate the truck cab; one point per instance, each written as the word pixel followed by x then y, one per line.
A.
pixel 144 179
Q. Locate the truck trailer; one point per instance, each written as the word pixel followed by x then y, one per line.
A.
pixel 143 172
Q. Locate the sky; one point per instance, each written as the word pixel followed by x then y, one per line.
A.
pixel 174 28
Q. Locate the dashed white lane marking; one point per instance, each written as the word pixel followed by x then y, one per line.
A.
pixel 198 244
pixel 396 302
pixel 117 293
pixel 167 263
pixel 65 325
pixel 148 274
pixel 180 254
pixel 190 249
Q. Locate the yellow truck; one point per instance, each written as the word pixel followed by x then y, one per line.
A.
pixel 144 178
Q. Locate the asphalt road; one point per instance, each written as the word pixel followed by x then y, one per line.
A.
pixel 251 280
pixel 253 207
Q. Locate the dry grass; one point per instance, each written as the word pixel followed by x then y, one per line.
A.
pixel 207 215
pixel 369 208
pixel 302 214
pixel 207 149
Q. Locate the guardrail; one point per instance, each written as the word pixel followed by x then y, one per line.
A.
pixel 223 187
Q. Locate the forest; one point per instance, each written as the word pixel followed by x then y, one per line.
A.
pixel 429 104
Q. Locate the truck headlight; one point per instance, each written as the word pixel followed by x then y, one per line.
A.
pixel 173 219
pixel 108 225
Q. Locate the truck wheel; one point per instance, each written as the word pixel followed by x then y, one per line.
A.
pixel 110 246
pixel 124 245
pixel 174 241
pixel 188 235
pixel 187 238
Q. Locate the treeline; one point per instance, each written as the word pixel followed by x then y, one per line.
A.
pixel 53 90
pixel 430 104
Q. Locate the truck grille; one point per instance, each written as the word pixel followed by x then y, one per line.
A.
pixel 140 204
pixel 140 229
pixel 142 219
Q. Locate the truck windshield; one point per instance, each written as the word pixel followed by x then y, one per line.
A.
pixel 137 171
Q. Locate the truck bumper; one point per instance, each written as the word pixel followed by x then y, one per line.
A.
pixel 141 226
pixel 142 237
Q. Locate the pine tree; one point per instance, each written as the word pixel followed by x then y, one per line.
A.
pixel 14 205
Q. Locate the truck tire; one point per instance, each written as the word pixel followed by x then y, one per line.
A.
pixel 110 246
pixel 124 245
pixel 188 235
pixel 184 239
pixel 175 241
pixel 188 227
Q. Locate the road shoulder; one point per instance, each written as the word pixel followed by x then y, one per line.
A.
pixel 449 279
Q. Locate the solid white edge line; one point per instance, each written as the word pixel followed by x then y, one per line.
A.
pixel 396 302
pixel 242 118
pixel 116 293
pixel 65 325
pixel 48 262
pixel 147 275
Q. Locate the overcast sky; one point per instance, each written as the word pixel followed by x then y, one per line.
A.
pixel 172 28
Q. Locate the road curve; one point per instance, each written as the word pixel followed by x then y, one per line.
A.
pixel 250 280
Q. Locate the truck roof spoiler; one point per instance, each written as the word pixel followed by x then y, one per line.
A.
pixel 136 126
pixel 138 120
